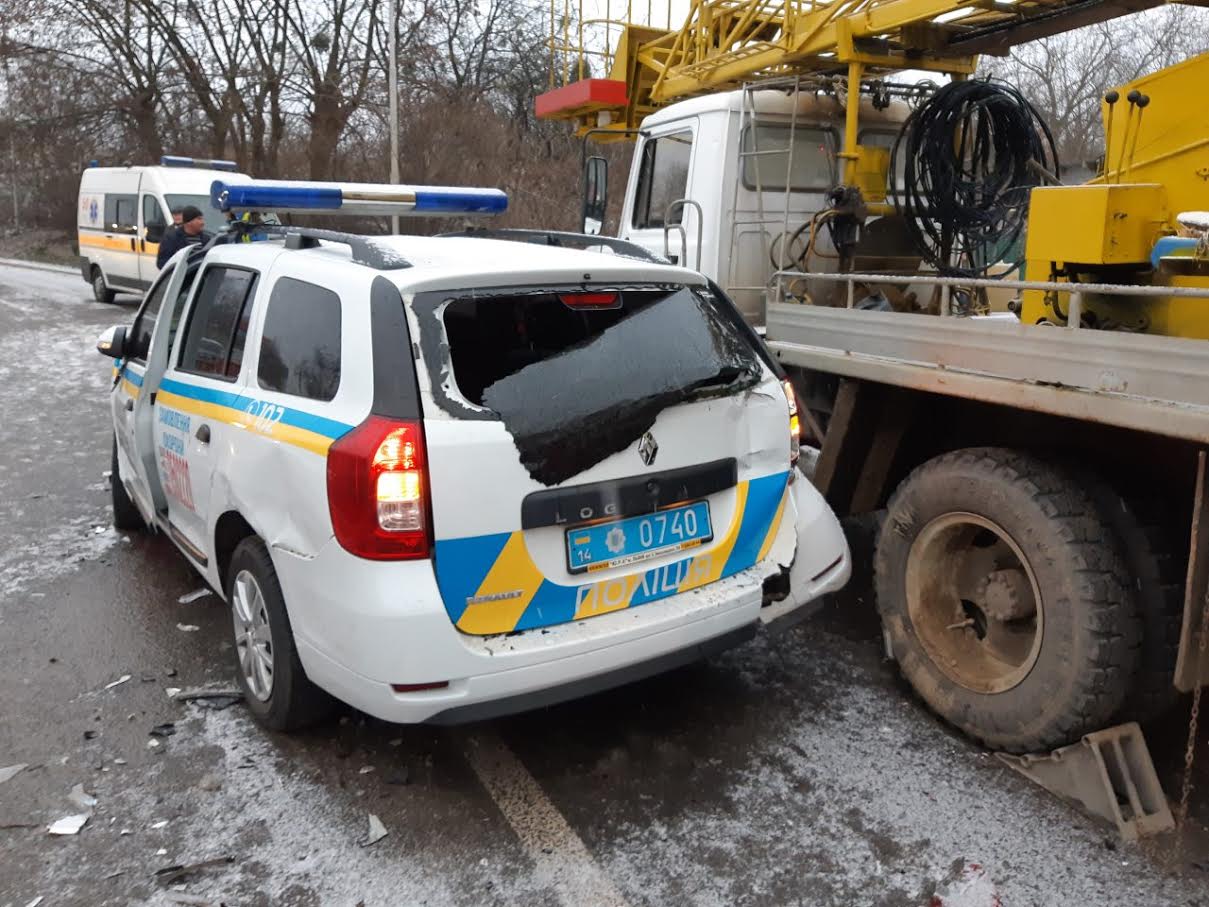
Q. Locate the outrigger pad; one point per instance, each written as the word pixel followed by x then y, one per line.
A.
pixel 1109 774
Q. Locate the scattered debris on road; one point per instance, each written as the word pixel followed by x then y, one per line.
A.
pixel 377 831
pixel 167 729
pixel 210 699
pixel 68 825
pixel 36 901
pixel 11 771
pixel 118 682
pixel 191 597
pixel 170 874
pixel 80 798
pixel 162 823
pixel 188 628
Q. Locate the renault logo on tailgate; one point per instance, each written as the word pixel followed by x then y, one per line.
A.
pixel 647 448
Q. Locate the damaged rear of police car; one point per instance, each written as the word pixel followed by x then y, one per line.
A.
pixel 444 478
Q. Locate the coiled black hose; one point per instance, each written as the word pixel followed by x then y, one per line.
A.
pixel 965 157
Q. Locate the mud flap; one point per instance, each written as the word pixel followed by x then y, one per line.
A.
pixel 1109 774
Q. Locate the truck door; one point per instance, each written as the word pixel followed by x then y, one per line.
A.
pixel 663 179
pixel 153 222
pixel 198 406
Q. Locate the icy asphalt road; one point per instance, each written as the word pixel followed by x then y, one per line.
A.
pixel 794 770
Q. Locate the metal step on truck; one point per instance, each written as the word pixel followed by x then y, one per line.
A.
pixel 1007 373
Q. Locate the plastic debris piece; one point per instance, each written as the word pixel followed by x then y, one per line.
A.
pixel 80 798
pixel 68 825
pixel 120 680
pixel 91 735
pixel 214 699
pixel 36 901
pixel 365 770
pixel 124 832
pixel 170 874
pixel 99 530
pixel 377 831
pixel 194 596
pixel 188 628
pixel 162 823
pixel 162 852
pixel 119 761
pixel 167 729
pixel 172 691
pixel 147 678
pixel 11 771
pixel 153 744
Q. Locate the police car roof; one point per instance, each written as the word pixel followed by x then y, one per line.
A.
pixel 443 262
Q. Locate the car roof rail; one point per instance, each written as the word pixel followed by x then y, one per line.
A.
pixel 364 250
pixel 564 240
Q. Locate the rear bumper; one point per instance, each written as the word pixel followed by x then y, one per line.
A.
pixel 362 626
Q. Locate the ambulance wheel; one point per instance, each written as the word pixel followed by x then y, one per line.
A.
pixel 277 691
pixel 1005 599
pixel 125 515
pixel 100 292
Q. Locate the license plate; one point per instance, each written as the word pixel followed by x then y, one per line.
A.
pixel 638 538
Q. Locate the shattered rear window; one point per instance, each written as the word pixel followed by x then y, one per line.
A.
pixel 574 385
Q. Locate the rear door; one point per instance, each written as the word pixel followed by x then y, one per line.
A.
pixel 594 449
pixel 198 403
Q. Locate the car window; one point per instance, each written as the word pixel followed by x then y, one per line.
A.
pixel 300 347
pixel 814 156
pixel 662 178
pixel 144 322
pixel 121 213
pixel 218 324
pixel 154 221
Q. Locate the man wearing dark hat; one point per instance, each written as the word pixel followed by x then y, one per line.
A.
pixel 191 232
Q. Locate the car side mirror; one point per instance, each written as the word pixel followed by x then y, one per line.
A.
pixel 112 342
pixel 155 233
pixel 596 194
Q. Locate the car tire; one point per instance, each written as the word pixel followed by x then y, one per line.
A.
pixel 100 292
pixel 277 691
pixel 126 515
pixel 1005 599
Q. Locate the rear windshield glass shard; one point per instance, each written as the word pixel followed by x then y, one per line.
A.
pixel 574 386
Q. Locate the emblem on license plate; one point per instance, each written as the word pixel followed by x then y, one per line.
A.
pixel 647 448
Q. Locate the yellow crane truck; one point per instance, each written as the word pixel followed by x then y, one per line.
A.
pixel 1042 563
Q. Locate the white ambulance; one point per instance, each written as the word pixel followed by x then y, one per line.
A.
pixel 442 478
pixel 123 212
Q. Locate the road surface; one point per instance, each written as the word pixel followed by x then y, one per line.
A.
pixel 794 770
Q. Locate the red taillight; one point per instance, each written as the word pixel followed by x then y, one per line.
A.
pixel 377 490
pixel 590 300
pixel 795 422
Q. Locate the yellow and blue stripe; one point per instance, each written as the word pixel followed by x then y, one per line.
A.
pixel 294 426
pixel 490 584
pixel 132 379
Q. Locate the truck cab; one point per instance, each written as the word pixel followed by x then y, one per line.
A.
pixel 707 185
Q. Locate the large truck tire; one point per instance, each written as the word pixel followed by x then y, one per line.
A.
pixel 1005 599
pixel 1157 572
pixel 100 292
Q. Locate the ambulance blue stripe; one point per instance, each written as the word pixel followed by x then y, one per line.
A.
pixel 763 497
pixel 329 428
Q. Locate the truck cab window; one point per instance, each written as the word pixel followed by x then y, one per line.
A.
pixel 218 324
pixel 813 166
pixel 662 178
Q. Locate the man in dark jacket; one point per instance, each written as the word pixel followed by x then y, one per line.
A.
pixel 191 232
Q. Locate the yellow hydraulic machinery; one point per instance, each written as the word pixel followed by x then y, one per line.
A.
pixel 1143 221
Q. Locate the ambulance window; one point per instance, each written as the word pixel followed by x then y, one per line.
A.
pixel 121 213
pixel 300 352
pixel 144 324
pixel 153 218
pixel 662 178
pixel 218 324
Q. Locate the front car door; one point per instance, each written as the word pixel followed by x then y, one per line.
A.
pixel 151 232
pixel 198 403
pixel 665 161
pixel 119 253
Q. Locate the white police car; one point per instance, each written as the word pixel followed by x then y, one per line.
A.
pixel 450 477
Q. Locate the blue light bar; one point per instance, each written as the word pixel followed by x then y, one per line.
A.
pixel 300 197
pixel 175 160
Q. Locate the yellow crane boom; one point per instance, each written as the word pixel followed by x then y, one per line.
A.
pixel 724 43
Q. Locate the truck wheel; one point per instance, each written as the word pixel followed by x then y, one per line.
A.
pixel 126 515
pixel 1158 586
pixel 277 691
pixel 100 292
pixel 1004 598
